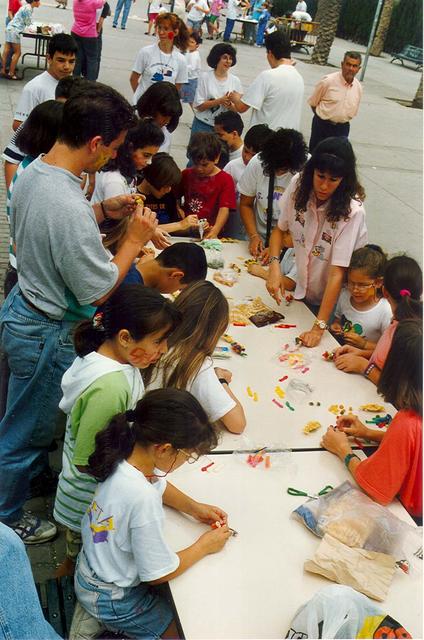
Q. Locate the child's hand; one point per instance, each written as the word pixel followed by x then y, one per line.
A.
pixel 256 246
pixel 213 541
pixel 264 257
pixel 350 363
pixel 352 426
pixel 161 239
pixel 354 339
pixel 224 373
pixel 336 328
pixel 347 349
pixel 208 513
pixel 336 442
pixel 211 233
pixel 190 221
pixel 311 338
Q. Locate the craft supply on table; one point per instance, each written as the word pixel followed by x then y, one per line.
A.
pixel 282 379
pixel 206 467
pixel 229 240
pixel 328 355
pixel 380 421
pixel 314 496
pixel 297 392
pixel 288 299
pixel 288 405
pixel 279 391
pixel 311 426
pixel 211 243
pixel 285 326
pixel 278 403
pixel 221 352
pixel 338 409
pixel 226 276
pixel 372 407
pixel 256 312
pixel 235 346
pixel 218 525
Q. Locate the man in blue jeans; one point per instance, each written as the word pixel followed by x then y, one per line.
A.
pixel 63 274
pixel 122 4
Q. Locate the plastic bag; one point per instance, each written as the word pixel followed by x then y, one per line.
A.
pixel 214 259
pixel 350 516
pixel 338 611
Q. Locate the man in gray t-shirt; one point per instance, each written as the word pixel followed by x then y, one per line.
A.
pixel 63 274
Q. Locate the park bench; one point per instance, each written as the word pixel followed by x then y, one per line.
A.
pixel 410 54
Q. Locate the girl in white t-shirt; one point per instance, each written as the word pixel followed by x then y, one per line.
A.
pixel 362 314
pixel 125 553
pixel 214 87
pixel 161 102
pixel 189 365
pixel 164 60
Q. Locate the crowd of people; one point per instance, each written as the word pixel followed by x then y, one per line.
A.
pixel 85 328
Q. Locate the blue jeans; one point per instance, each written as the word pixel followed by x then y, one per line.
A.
pixel 196 25
pixel 229 26
pixel 138 612
pixel 86 63
pixel 20 611
pixel 39 351
pixel 126 4
pixel 260 35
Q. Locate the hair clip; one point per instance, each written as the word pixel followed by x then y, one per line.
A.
pixel 405 292
pixel 97 321
pixel 130 415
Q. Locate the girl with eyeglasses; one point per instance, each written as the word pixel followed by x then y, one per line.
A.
pixel 125 554
pixel 362 314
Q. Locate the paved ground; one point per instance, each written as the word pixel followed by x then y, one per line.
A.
pixel 386 135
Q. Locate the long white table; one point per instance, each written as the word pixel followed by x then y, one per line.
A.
pixel 253 587
pixel 267 423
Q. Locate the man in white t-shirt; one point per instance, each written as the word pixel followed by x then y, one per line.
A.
pixel 276 95
pixel 61 57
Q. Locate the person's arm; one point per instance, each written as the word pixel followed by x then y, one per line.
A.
pixel 234 420
pixel 178 500
pixel 317 95
pixel 9 171
pixel 134 80
pixel 274 283
pixel 337 442
pixel 209 104
pixel 188 222
pixel 332 290
pixel 221 219
pixel 247 215
pixel 237 103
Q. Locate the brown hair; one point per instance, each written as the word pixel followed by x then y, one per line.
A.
pixel 205 316
pixel 181 39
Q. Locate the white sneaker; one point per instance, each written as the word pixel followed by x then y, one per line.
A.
pixel 34 530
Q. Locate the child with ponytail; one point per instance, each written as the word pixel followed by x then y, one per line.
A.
pixel 124 551
pixel 403 287
pixel 129 334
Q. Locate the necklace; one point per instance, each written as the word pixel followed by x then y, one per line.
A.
pixel 166 64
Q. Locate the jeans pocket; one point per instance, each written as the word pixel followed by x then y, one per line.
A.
pixel 23 351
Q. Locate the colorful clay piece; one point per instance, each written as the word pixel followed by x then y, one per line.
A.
pixel 288 405
pixel 235 346
pixel 280 393
pixel 313 425
pixel 328 355
pixel 278 403
pixel 372 407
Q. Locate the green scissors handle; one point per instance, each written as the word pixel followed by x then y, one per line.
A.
pixel 297 492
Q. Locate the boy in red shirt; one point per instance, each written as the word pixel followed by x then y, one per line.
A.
pixel 208 191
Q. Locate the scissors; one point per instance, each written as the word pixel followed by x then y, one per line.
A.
pixel 298 492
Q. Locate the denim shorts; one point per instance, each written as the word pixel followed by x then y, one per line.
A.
pixel 12 36
pixel 137 612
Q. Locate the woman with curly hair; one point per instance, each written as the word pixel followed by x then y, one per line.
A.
pixel 323 217
pixel 283 155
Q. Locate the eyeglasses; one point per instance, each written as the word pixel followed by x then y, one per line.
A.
pixel 191 457
pixel 360 287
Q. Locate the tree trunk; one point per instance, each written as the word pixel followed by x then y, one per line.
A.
pixel 329 10
pixel 417 102
pixel 319 12
pixel 382 29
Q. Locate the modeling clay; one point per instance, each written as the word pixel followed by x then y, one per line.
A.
pixel 372 407
pixel 249 392
pixel 278 403
pixel 235 346
pixel 288 405
pixel 311 426
pixel 207 466
pixel 328 355
pixel 334 408
pixel 212 243
pixel 289 299
pixel 280 393
pixel 255 397
pixel 282 379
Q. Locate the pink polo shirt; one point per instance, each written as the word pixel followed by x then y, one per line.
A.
pixel 335 99
pixel 319 243
pixel 85 17
pixel 382 348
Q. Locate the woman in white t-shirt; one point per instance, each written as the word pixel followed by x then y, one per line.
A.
pixel 124 550
pixel 164 60
pixel 284 154
pixel 188 364
pixel 214 87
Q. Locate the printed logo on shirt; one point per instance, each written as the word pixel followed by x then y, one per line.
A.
pixel 278 192
pixel 195 205
pixel 99 525
pixel 348 326
pixel 326 237
pixel 319 252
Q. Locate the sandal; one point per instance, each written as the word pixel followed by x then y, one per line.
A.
pixel 9 77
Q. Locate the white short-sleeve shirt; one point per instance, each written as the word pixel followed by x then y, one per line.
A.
pixel 154 66
pixel 36 91
pixel 108 185
pixel 369 323
pixel 210 87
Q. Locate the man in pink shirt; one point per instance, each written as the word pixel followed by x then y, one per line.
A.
pixel 335 101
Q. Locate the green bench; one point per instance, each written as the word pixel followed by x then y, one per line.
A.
pixel 410 54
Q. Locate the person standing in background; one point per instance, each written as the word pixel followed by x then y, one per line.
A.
pixel 335 101
pixel 301 6
pixel 122 4
pixel 153 12
pixel 101 14
pixel 84 30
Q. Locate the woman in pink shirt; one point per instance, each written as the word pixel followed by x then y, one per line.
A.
pixel 402 286
pixel 84 30
pixel 323 218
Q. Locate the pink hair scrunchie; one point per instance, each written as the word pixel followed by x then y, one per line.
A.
pixel 405 292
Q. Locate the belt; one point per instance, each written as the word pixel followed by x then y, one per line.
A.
pixel 29 303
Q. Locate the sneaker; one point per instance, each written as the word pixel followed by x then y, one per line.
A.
pixel 33 530
pixel 114 26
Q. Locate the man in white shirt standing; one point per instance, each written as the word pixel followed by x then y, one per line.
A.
pixel 301 6
pixel 61 57
pixel 276 95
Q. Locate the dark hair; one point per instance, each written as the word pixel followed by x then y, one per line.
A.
pixel 40 130
pixel 186 256
pixel 401 379
pixel 204 146
pixel 284 149
pixel 162 172
pixel 163 98
pixel 219 50
pixel 197 37
pixel 181 39
pixel 62 42
pixel 134 307
pixel 230 121
pixel 278 43
pixel 99 110
pixel 70 86
pixel 353 54
pixel 162 416
pixel 335 156
pixel 370 259
pixel 256 137
pixel 403 281
pixel 146 133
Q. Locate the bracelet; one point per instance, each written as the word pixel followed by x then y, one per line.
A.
pixel 105 216
pixel 348 458
pixel 369 368
pixel 223 381
pixel 274 258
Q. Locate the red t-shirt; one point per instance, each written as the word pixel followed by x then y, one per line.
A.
pixel 396 466
pixel 205 196
pixel 14 6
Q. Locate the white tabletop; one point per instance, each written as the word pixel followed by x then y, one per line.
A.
pixel 253 587
pixel 260 370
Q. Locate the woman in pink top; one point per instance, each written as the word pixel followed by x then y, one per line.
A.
pixel 402 286
pixel 323 218
pixel 85 33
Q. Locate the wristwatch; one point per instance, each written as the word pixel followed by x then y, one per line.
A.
pixel 272 258
pixel 321 324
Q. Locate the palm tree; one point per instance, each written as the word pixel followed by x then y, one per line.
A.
pixel 382 29
pixel 417 102
pixel 329 12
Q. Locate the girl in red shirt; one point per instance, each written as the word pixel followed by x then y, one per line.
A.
pixel 395 469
